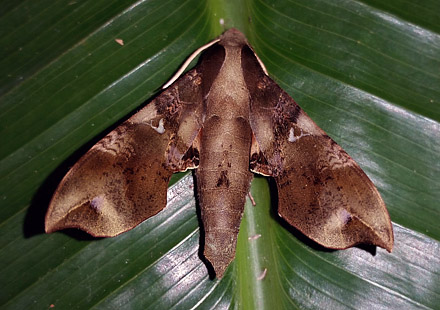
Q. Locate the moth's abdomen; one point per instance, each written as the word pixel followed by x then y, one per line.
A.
pixel 223 179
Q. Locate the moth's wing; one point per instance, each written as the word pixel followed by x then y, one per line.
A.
pixel 321 190
pixel 122 180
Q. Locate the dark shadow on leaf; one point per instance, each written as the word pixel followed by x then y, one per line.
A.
pixel 209 267
pixel 34 220
pixel 372 249
pixel 79 235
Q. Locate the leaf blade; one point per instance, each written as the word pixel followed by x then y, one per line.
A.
pixel 376 98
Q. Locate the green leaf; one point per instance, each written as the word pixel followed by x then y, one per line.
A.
pixel 368 72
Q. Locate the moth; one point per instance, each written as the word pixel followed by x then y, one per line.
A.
pixel 228 119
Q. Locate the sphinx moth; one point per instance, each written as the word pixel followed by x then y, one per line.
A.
pixel 228 119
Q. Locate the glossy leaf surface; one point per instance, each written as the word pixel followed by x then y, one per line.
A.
pixel 367 72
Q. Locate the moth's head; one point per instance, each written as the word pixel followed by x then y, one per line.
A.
pixel 233 37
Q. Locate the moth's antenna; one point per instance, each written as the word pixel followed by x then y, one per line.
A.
pixel 188 61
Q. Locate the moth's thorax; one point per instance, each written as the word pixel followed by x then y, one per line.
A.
pixel 226 129
pixel 233 38
pixel 229 96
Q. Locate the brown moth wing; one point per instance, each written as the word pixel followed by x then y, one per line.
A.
pixel 321 190
pixel 122 180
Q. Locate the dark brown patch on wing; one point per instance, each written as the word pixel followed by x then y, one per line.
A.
pixel 223 180
pixel 211 62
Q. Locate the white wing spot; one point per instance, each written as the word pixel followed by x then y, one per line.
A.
pixel 160 128
pixel 345 216
pixel 291 135
pixel 292 138
pixel 97 202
